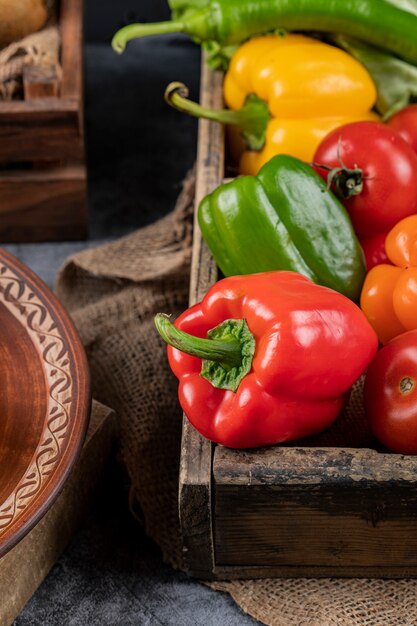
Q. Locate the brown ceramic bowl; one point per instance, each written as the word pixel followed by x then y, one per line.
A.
pixel 44 399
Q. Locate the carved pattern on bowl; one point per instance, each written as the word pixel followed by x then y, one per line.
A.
pixel 27 307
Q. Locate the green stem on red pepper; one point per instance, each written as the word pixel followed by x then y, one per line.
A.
pixel 252 118
pixel 227 353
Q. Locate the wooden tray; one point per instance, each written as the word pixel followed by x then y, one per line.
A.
pixel 286 511
pixel 44 399
pixel 43 182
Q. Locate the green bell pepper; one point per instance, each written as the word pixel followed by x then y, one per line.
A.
pixel 284 218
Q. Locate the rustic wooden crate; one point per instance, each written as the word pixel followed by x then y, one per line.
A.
pixel 286 511
pixel 43 188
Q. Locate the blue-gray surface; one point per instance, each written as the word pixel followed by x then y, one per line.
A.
pixel 113 575
pixel 138 152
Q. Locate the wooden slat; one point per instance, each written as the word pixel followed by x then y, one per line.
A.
pixel 43 205
pixel 71 29
pixel 196 456
pixel 42 128
pixel 291 465
pixel 315 507
pixel 210 174
pixel 293 571
pixel 37 108
pixel 40 82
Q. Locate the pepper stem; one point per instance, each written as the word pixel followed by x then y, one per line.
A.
pixel 194 22
pixel 252 118
pixel 227 353
pixel 133 31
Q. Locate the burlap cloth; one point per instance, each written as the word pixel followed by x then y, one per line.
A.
pixel 112 293
pixel 41 49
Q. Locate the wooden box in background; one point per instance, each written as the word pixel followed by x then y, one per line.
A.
pixel 43 195
pixel 295 511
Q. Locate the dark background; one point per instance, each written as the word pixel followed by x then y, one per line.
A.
pixel 102 18
pixel 138 152
pixel 135 142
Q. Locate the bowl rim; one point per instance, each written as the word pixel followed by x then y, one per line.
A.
pixel 82 395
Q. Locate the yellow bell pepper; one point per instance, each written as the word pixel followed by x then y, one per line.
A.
pixel 285 93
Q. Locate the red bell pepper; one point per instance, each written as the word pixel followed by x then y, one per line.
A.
pixel 279 355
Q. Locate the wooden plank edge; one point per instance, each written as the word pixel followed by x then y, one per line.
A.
pixel 40 129
pixel 44 204
pixel 9 109
pixel 303 466
pixel 195 502
pixel 72 171
pixel 230 573
pixel 195 487
pixel 71 30
pixel 40 82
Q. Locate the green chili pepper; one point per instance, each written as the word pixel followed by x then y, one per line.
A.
pixel 284 218
pixel 388 24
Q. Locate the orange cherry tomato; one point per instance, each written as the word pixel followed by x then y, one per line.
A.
pixel 389 293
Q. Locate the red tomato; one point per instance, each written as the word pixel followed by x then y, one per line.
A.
pixel 389 173
pixel 405 123
pixel 374 250
pixel 390 394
